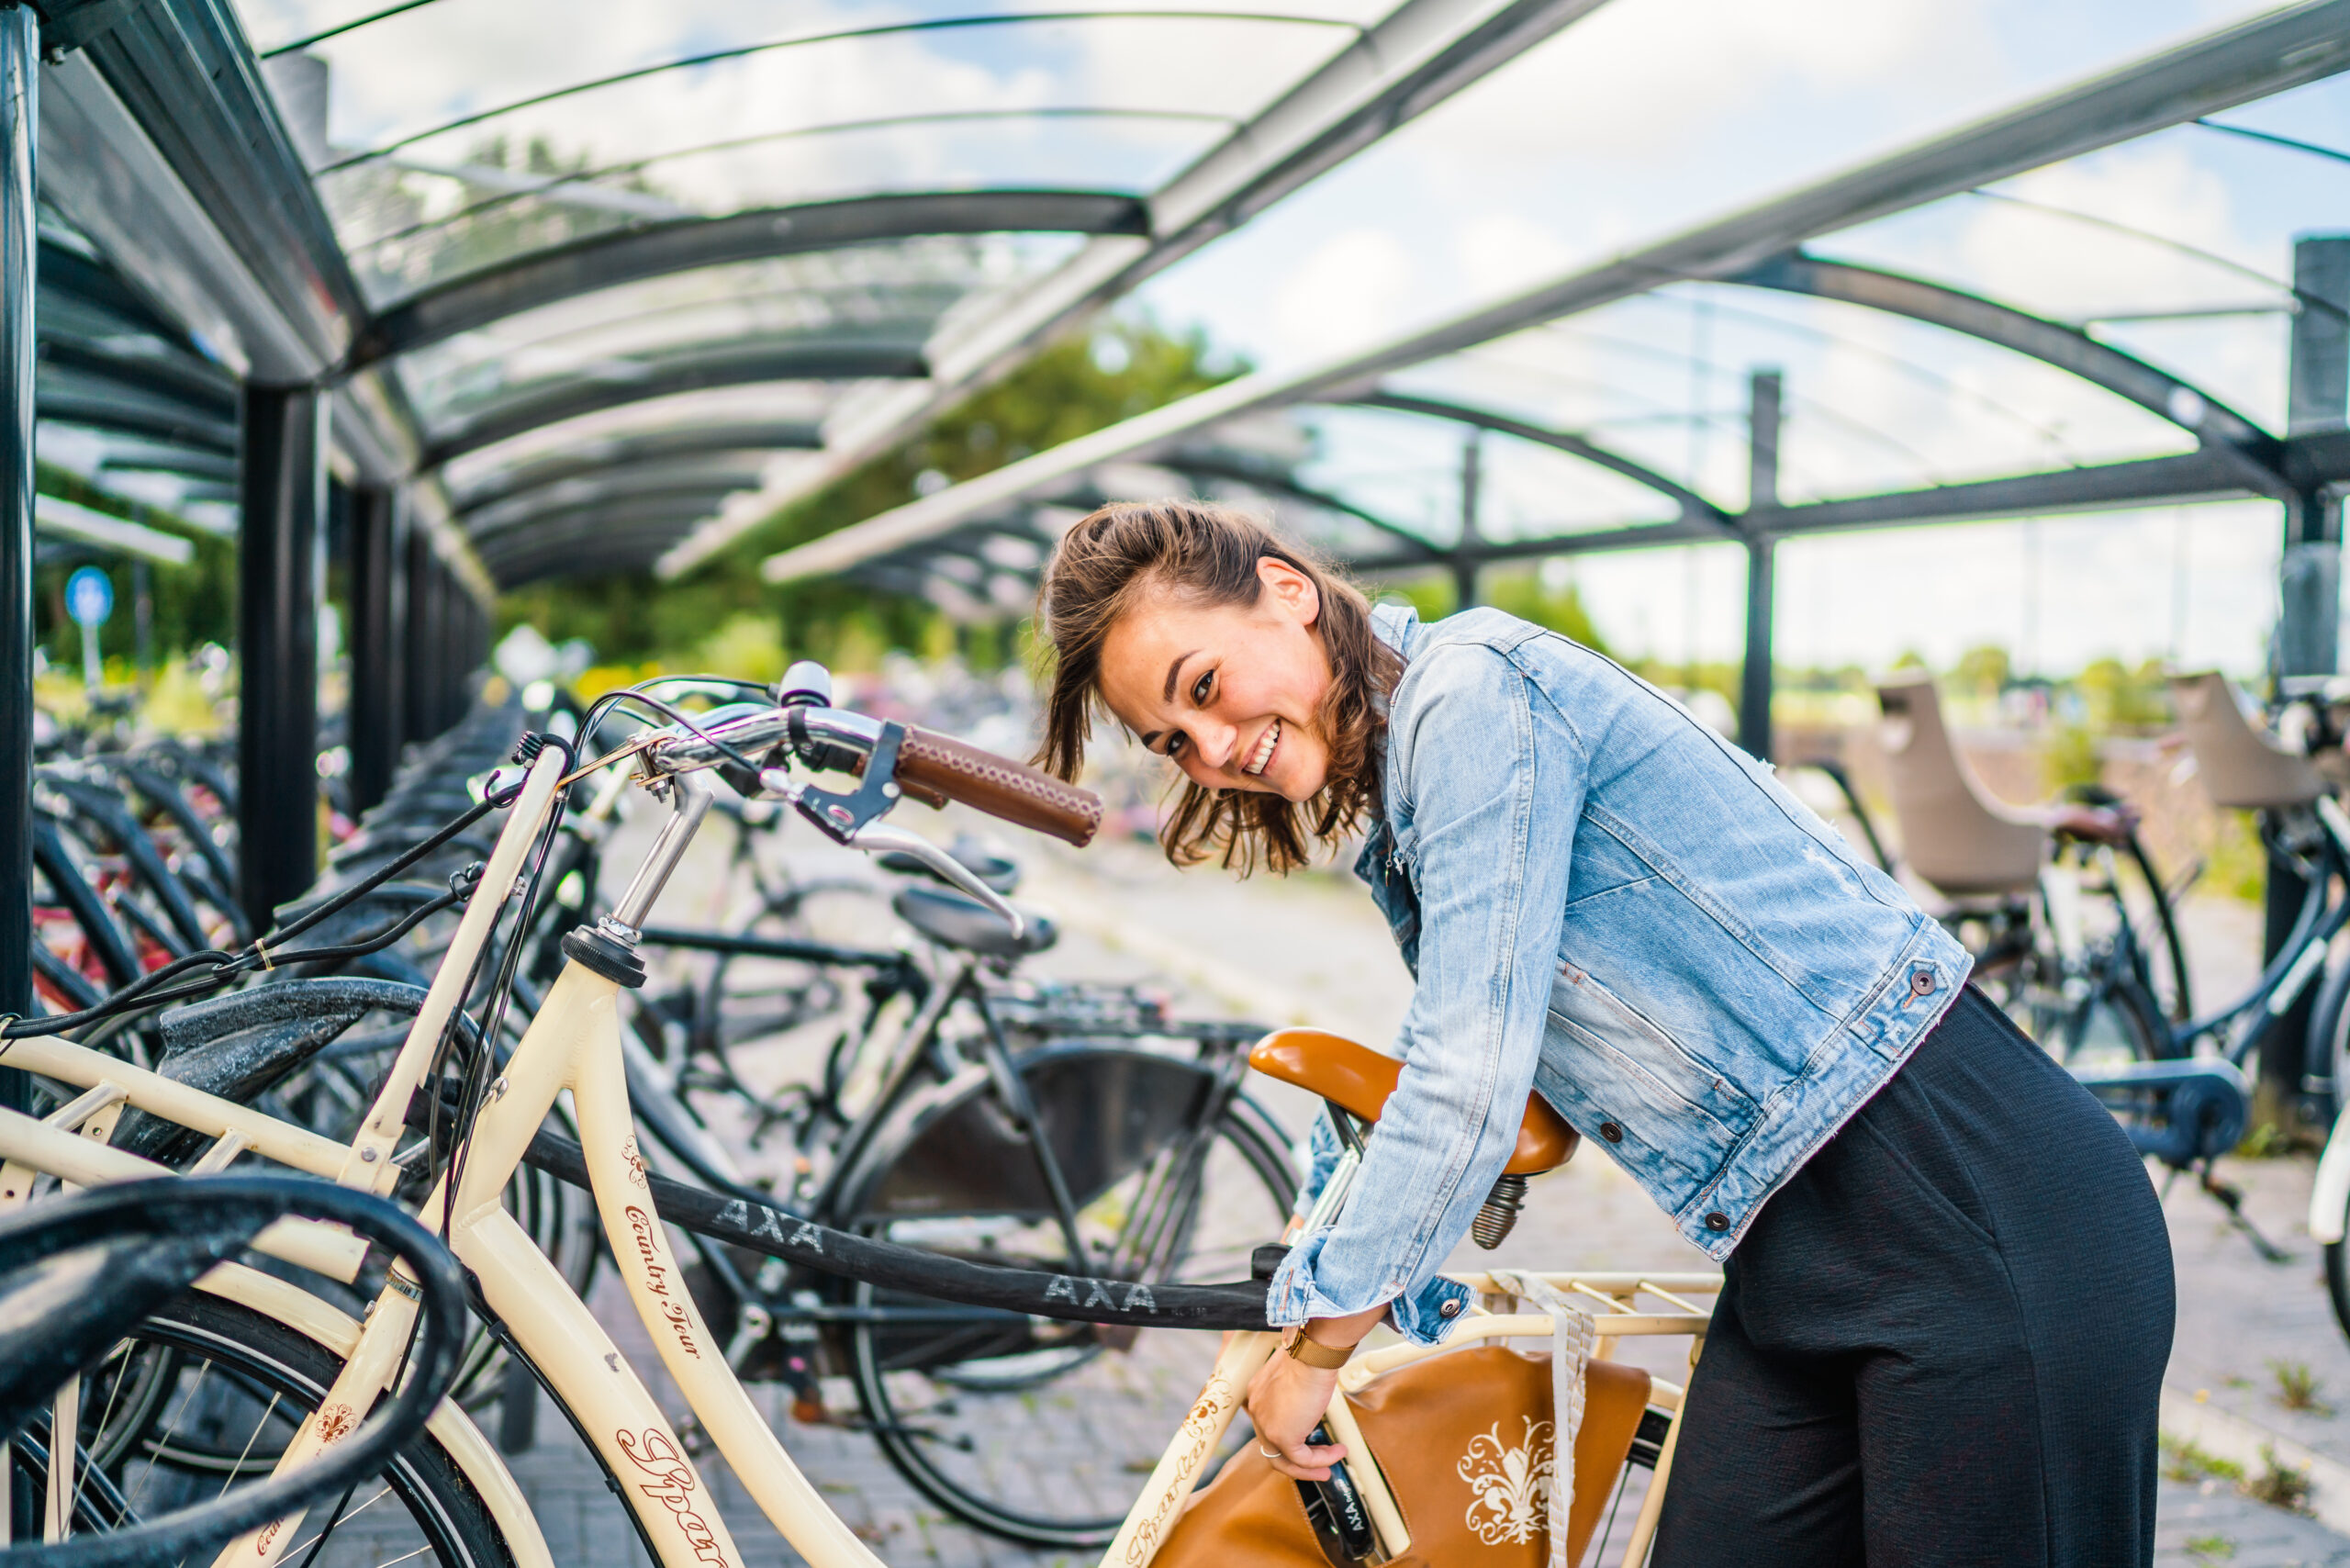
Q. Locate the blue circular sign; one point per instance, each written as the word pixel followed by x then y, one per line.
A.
pixel 89 597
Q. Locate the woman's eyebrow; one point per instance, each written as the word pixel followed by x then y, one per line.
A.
pixel 1174 673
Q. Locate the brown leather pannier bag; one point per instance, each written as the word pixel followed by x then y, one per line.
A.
pixel 1464 1441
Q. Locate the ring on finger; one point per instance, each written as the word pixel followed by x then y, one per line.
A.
pixel 1269 1454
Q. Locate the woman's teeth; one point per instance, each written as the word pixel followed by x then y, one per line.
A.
pixel 1264 752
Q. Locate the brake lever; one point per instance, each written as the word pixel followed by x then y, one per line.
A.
pixel 876 837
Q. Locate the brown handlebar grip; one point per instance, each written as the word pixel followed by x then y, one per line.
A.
pixel 997 786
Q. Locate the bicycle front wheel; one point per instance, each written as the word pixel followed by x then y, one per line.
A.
pixel 205 1395
pixel 1045 1432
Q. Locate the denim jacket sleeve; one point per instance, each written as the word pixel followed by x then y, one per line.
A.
pixel 1490 782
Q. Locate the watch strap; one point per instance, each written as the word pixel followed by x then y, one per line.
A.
pixel 1304 1347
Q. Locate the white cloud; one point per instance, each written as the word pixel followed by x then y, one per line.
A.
pixel 1641 82
pixel 1353 289
pixel 1498 252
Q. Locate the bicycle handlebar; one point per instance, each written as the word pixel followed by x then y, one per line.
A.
pixel 927 762
pixel 1011 791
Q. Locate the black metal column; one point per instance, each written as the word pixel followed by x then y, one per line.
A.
pixel 19 87
pixel 280 575
pixel 2309 613
pixel 2310 601
pixel 378 640
pixel 415 638
pixel 1464 558
pixel 1765 390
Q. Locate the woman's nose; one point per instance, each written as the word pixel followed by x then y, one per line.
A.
pixel 1214 743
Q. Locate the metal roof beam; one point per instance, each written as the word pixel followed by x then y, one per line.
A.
pixel 2184 479
pixel 1204 467
pixel 2211 423
pixel 1420 55
pixel 599 455
pixel 805 362
pixel 163 144
pixel 682 502
pixel 1694 507
pixel 2252 60
pixel 604 260
pixel 703 477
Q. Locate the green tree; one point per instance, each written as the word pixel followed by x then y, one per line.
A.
pixel 1126 366
pixel 1983 670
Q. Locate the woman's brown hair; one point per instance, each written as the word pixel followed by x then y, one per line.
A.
pixel 1208 555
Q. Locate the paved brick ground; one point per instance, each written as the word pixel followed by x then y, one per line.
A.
pixel 1311 950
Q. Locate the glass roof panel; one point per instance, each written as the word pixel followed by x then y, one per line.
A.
pixel 1407 469
pixel 1872 402
pixel 411 224
pixel 440 151
pixel 896 293
pixel 2177 247
pixel 777 402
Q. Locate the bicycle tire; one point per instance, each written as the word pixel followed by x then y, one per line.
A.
pixel 218 1351
pixel 914 1447
pixel 2337 1282
pixel 2325 1053
pixel 2116 1020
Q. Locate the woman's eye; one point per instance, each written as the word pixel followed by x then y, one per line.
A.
pixel 1202 687
pixel 1174 744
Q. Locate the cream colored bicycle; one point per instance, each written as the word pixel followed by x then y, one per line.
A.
pixel 273 1373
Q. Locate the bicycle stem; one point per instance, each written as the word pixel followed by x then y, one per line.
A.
pixel 689 804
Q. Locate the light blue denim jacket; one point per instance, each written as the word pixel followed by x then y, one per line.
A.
pixel 1603 900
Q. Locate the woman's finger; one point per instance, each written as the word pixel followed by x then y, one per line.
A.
pixel 1305 1461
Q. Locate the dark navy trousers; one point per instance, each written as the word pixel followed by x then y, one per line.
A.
pixel 1942 1341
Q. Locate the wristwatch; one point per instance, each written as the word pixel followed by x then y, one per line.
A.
pixel 1302 1347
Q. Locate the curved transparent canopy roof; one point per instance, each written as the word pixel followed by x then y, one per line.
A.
pixel 461 134
pixel 565 219
pixel 2109 330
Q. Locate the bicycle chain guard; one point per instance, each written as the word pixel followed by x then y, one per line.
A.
pixel 836 815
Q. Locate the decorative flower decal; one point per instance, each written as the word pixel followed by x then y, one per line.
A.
pixel 1509 1488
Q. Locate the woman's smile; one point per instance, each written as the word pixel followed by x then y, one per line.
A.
pixel 1262 758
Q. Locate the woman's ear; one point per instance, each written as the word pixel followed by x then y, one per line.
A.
pixel 1290 588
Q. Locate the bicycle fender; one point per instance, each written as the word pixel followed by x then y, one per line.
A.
pixel 336 1331
pixel 2331 1196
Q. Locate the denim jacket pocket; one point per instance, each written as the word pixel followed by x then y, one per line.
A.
pixel 1648 1064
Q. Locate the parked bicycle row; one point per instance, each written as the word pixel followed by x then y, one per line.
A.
pixel 932 1198
pixel 981 1142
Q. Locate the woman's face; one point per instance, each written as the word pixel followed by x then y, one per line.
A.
pixel 1231 692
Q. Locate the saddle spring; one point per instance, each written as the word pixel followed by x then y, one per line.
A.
pixel 1499 1216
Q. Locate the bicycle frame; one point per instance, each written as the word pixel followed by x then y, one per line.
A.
pixel 574 1044
pixel 2241 1023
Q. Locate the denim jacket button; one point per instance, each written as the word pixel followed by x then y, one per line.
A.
pixel 1611 1132
pixel 1450 1309
pixel 1717 1222
pixel 1921 983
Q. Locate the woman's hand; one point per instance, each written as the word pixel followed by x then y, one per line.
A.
pixel 1287 1399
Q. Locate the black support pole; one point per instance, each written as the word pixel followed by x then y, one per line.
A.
pixel 378 638
pixel 280 574
pixel 2309 610
pixel 416 640
pixel 19 86
pixel 1754 681
pixel 1464 558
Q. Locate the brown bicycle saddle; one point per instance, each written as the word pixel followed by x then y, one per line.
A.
pixel 1359 1080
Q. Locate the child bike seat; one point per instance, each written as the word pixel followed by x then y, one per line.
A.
pixel 953 921
pixel 1358 1080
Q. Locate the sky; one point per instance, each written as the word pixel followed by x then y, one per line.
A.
pixel 1650 116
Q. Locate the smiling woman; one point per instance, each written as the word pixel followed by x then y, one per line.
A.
pixel 1269 714
pixel 1946 1305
